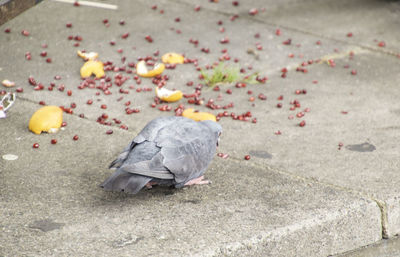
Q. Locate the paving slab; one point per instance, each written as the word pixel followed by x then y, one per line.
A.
pixel 52 205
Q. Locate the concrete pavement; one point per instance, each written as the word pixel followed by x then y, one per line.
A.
pixel 323 189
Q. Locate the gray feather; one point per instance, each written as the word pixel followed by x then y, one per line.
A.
pixel 168 150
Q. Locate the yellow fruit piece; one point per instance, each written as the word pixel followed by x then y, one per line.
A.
pixel 46 119
pixel 168 95
pixel 142 70
pixel 198 116
pixel 92 67
pixel 88 56
pixel 172 58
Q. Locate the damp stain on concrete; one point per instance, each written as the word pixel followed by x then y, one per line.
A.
pixel 364 147
pixel 46 225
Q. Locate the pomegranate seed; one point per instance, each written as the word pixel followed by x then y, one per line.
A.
pixel 82 115
pixel 76 4
pixel 69 92
pixel 76 137
pixel 254 120
pixel 19 90
pixel 43 54
pixel 63 124
pixel 48 60
pixel 302 123
pixel 25 33
pixel 53 141
pixel 382 44
pixel 349 34
pixel 73 105
pixel 177 19
pixel 68 25
pixel 279 105
pixel 247 157
pixel 149 39
pixel 197 8
pixel 121 22
pixel 35 145
pixel 154 7
pixel 109 132
pixel 278 133
pixel 253 11
pixel 235 3
pixel 7 30
pixel 125 35
pixel 278 32
pixel 103 106
pixel 353 72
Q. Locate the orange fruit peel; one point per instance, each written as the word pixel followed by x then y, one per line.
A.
pixel 198 116
pixel 142 70
pixel 92 67
pixel 173 58
pixel 46 119
pixel 88 56
pixel 168 95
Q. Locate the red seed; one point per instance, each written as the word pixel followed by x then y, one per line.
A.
pixel 235 3
pixel 103 106
pixel 353 72
pixel 19 90
pixel 278 133
pixel 42 103
pixel 149 39
pixel 253 11
pixel 25 33
pixel 53 141
pixel 48 60
pixel 197 8
pixel 76 137
pixel 382 44
pixel 278 32
pixel 247 157
pixel 109 132
pixel 121 22
pixel 349 34
pixel 125 35
pixel 35 145
pixel 89 101
pixel 43 54
pixel 279 105
pixel 63 124
pixel 68 25
pixel 7 30
pixel 302 123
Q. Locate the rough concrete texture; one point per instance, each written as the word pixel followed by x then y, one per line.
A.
pixel 298 195
pixel 385 248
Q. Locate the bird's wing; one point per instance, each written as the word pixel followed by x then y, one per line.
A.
pixel 148 133
pixel 145 159
pixel 187 148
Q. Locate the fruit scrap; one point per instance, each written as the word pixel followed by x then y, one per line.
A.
pixel 172 58
pixel 8 83
pixel 198 116
pixel 46 119
pixel 168 95
pixel 92 67
pixel 88 56
pixel 142 70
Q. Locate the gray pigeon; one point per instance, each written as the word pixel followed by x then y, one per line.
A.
pixel 168 151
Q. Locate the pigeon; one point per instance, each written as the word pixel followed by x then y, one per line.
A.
pixel 171 151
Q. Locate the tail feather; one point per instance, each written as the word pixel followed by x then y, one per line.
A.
pixel 125 181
